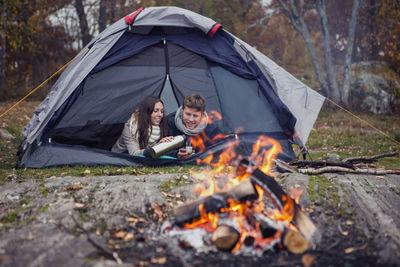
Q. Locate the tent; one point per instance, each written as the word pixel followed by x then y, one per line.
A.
pixel 167 52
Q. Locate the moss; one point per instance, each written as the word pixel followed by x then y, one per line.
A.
pixel 11 217
pixel 44 190
pixel 178 181
pixel 44 208
pixel 311 188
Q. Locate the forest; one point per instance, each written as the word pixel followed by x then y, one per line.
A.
pixel 318 41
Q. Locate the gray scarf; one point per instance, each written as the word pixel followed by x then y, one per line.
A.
pixel 181 126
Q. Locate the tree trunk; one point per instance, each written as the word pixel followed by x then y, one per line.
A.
pixel 330 72
pixel 3 30
pixel 301 27
pixel 103 10
pixel 83 24
pixel 349 52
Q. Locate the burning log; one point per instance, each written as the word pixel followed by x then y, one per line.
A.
pixel 284 202
pixel 225 237
pixel 266 226
pixel 189 212
pixel 295 242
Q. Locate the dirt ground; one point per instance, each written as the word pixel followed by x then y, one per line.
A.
pixel 116 220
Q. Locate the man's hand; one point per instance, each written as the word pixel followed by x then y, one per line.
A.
pixel 182 154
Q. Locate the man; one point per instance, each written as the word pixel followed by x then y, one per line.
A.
pixel 191 120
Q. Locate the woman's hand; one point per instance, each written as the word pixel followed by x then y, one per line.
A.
pixel 166 139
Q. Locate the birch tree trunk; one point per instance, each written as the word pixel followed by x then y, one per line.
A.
pixel 3 30
pixel 83 24
pixel 301 27
pixel 330 71
pixel 349 52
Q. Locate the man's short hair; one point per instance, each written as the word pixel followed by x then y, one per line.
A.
pixel 195 101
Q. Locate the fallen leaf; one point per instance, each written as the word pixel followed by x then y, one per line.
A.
pixel 349 223
pixel 161 260
pixel 352 249
pixel 345 233
pixel 120 234
pixel 308 260
pixel 131 220
pixel 30 236
pixel 79 205
pixel 143 263
pixel 87 171
pixel 129 237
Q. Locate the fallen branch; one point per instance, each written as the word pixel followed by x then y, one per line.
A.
pixel 368 159
pixel 334 169
pixel 109 253
pixel 320 164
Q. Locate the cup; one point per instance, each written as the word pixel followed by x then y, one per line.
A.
pixel 189 150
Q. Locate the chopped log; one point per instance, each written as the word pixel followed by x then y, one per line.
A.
pixel 189 212
pixel 284 203
pixel 265 225
pixel 295 242
pixel 225 237
pixel 369 159
pixel 346 170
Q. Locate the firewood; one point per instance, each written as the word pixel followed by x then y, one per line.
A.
pixel 190 212
pixel 265 225
pixel 295 242
pixel 284 202
pixel 225 237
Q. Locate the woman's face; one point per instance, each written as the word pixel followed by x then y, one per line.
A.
pixel 157 114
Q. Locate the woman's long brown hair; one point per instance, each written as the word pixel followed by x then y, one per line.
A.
pixel 143 119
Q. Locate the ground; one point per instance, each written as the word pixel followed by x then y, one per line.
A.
pixel 59 220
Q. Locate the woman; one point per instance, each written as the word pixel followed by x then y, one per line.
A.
pixel 146 127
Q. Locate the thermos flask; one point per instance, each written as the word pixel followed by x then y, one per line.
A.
pixel 162 148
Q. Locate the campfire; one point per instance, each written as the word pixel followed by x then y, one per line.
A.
pixel 242 208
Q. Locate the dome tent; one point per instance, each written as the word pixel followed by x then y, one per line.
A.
pixel 166 52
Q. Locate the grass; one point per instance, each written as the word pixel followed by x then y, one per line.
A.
pixel 335 131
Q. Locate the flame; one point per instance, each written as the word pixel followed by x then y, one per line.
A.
pixel 265 150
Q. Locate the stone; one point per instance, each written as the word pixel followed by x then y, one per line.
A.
pixel 374 87
pixel 4 134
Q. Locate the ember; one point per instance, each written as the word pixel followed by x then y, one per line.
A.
pixel 232 209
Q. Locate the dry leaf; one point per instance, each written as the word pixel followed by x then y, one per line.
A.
pixel 87 171
pixel 161 260
pixel 79 205
pixel 308 260
pixel 120 234
pixel 349 223
pixel 352 249
pixel 345 233
pixel 129 237
pixel 30 237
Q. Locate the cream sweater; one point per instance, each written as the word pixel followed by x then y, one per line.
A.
pixel 129 141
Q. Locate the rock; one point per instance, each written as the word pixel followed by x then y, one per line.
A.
pixel 374 87
pixel 332 157
pixel 4 134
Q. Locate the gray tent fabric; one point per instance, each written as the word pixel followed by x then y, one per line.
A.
pixel 150 78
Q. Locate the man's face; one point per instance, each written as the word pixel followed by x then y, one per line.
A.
pixel 191 117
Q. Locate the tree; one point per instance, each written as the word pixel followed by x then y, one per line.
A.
pixel 83 23
pixel 3 30
pixel 328 81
